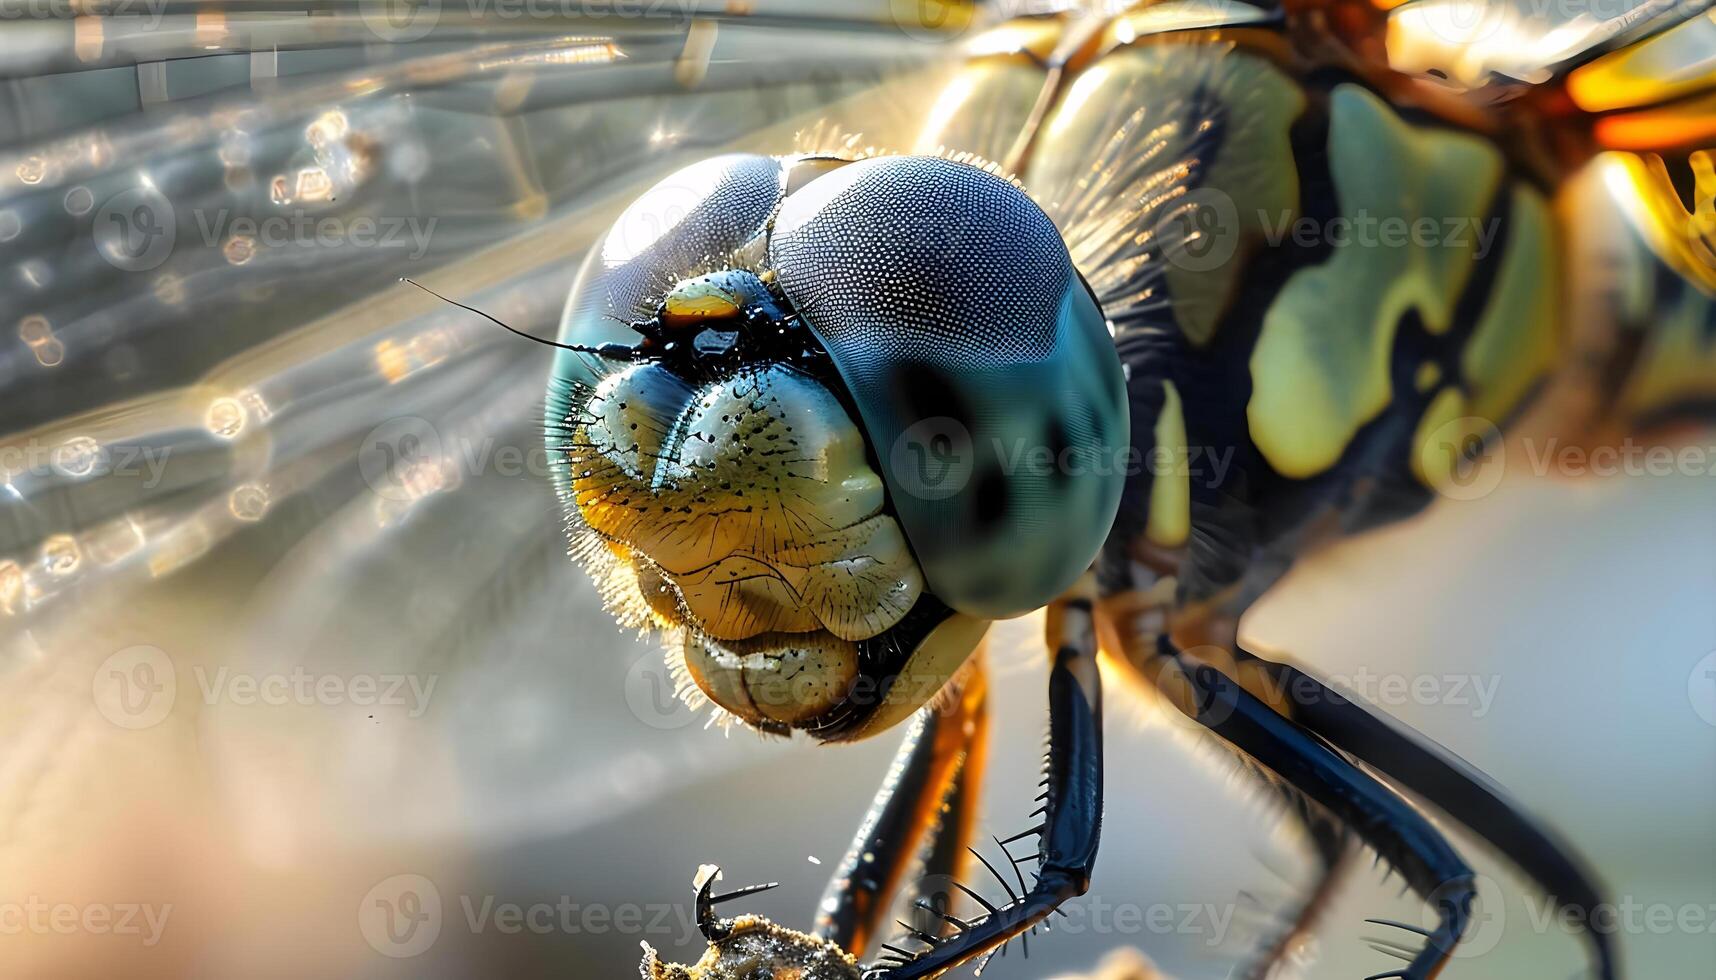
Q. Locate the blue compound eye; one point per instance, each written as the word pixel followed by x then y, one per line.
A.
pixel 688 219
pixel 981 366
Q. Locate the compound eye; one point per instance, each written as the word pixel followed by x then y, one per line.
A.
pixel 980 363
pixel 708 208
pixel 701 213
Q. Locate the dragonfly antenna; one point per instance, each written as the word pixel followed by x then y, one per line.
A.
pixel 614 351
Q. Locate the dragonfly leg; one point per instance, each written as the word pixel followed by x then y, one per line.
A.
pixel 1072 803
pixel 1131 625
pixel 1331 843
pixel 1450 784
pixel 1380 817
pixel 936 893
pixel 930 792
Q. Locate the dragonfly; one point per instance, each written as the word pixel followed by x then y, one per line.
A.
pixel 160 323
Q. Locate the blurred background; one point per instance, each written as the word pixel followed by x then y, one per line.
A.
pixel 295 678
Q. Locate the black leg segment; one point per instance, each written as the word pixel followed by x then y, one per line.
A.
pixel 1071 812
pixel 1453 786
pixel 1378 815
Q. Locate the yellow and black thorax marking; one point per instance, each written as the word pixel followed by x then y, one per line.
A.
pixel 1312 281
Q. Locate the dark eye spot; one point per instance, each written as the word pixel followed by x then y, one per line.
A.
pixel 989 496
pixel 927 392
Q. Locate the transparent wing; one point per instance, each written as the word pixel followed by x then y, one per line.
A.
pixel 237 451
pixel 1494 48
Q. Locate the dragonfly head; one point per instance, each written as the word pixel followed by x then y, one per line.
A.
pixel 723 474
pixel 845 433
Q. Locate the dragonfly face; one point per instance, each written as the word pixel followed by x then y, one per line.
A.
pixel 752 520
pixel 799 470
